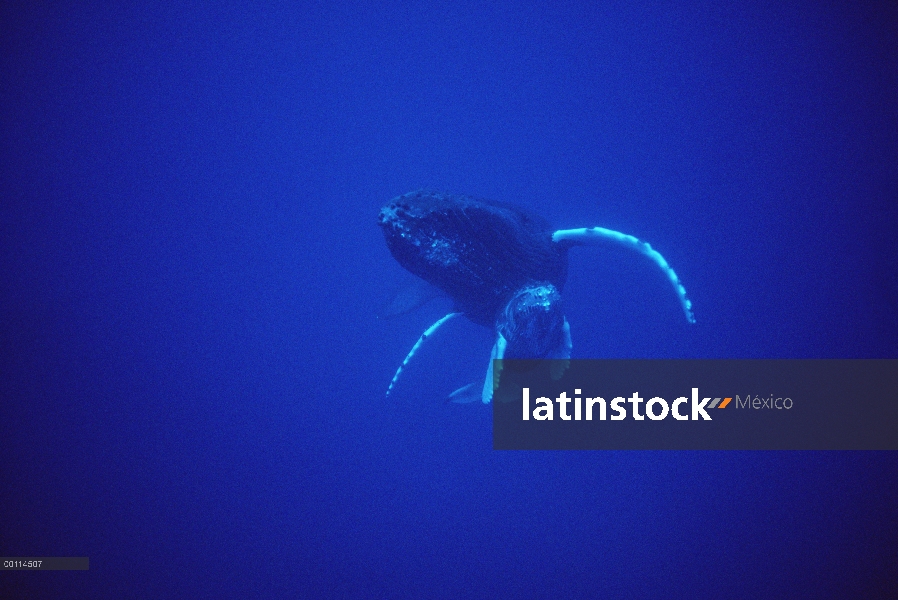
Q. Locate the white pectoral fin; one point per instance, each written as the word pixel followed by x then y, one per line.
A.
pixel 598 235
pixel 494 371
pixel 417 345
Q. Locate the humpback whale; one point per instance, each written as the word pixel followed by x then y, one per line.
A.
pixel 502 267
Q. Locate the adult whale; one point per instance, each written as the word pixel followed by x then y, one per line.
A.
pixel 501 267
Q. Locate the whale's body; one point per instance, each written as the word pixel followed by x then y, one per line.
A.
pixel 502 268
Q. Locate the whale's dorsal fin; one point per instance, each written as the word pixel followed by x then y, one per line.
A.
pixel 600 235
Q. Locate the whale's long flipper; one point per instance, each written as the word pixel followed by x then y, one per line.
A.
pixel 492 377
pixel 417 345
pixel 600 234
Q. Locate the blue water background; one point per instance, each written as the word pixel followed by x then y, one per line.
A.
pixel 192 376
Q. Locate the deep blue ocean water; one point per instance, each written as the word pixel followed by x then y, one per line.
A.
pixel 192 376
